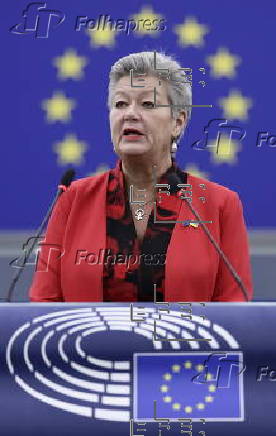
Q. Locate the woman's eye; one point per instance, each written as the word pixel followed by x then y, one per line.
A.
pixel 148 103
pixel 120 103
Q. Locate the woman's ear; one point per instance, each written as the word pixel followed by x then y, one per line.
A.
pixel 180 123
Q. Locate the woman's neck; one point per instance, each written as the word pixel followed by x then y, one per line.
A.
pixel 144 175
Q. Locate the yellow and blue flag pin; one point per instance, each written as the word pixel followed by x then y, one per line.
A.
pixel 193 223
pixel 188 223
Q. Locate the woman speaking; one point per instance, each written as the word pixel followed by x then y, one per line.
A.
pixel 145 230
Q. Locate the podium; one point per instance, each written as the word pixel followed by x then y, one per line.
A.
pixel 137 369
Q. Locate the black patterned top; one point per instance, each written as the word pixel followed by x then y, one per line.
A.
pixel 130 267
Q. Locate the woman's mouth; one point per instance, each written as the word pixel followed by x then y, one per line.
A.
pixel 132 135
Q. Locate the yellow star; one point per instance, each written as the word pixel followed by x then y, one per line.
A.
pixel 209 376
pixel 209 399
pixel 199 368
pixel 58 107
pixel 167 376
pixel 188 364
pixel 192 169
pixel 212 388
pixel 235 106
pixel 176 406
pixel 224 150
pixel 200 406
pixel 102 37
pixel 167 399
pixel 223 64
pixel 102 168
pixel 70 65
pixel 144 28
pixel 188 409
pixel 70 150
pixel 176 368
pixel 164 388
pixel 191 32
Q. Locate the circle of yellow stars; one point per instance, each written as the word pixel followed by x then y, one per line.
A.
pixel 191 33
pixel 176 406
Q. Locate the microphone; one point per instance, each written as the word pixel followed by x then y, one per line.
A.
pixel 65 182
pixel 175 179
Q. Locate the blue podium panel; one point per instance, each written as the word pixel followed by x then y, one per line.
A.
pixel 138 369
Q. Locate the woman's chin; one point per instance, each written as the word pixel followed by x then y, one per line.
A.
pixel 133 149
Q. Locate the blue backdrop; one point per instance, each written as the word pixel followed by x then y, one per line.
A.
pixel 54 91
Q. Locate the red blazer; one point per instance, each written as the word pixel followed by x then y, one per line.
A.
pixel 193 270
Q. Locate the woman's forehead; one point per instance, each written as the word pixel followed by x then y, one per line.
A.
pixel 140 85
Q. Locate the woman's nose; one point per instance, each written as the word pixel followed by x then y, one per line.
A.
pixel 132 111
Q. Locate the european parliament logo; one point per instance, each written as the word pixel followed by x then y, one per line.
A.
pixel 51 358
pixel 188 385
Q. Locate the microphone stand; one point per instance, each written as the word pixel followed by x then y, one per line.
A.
pixel 65 183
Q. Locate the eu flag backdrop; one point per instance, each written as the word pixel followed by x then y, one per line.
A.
pixel 54 77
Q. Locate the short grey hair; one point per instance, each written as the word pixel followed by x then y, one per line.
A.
pixel 179 90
